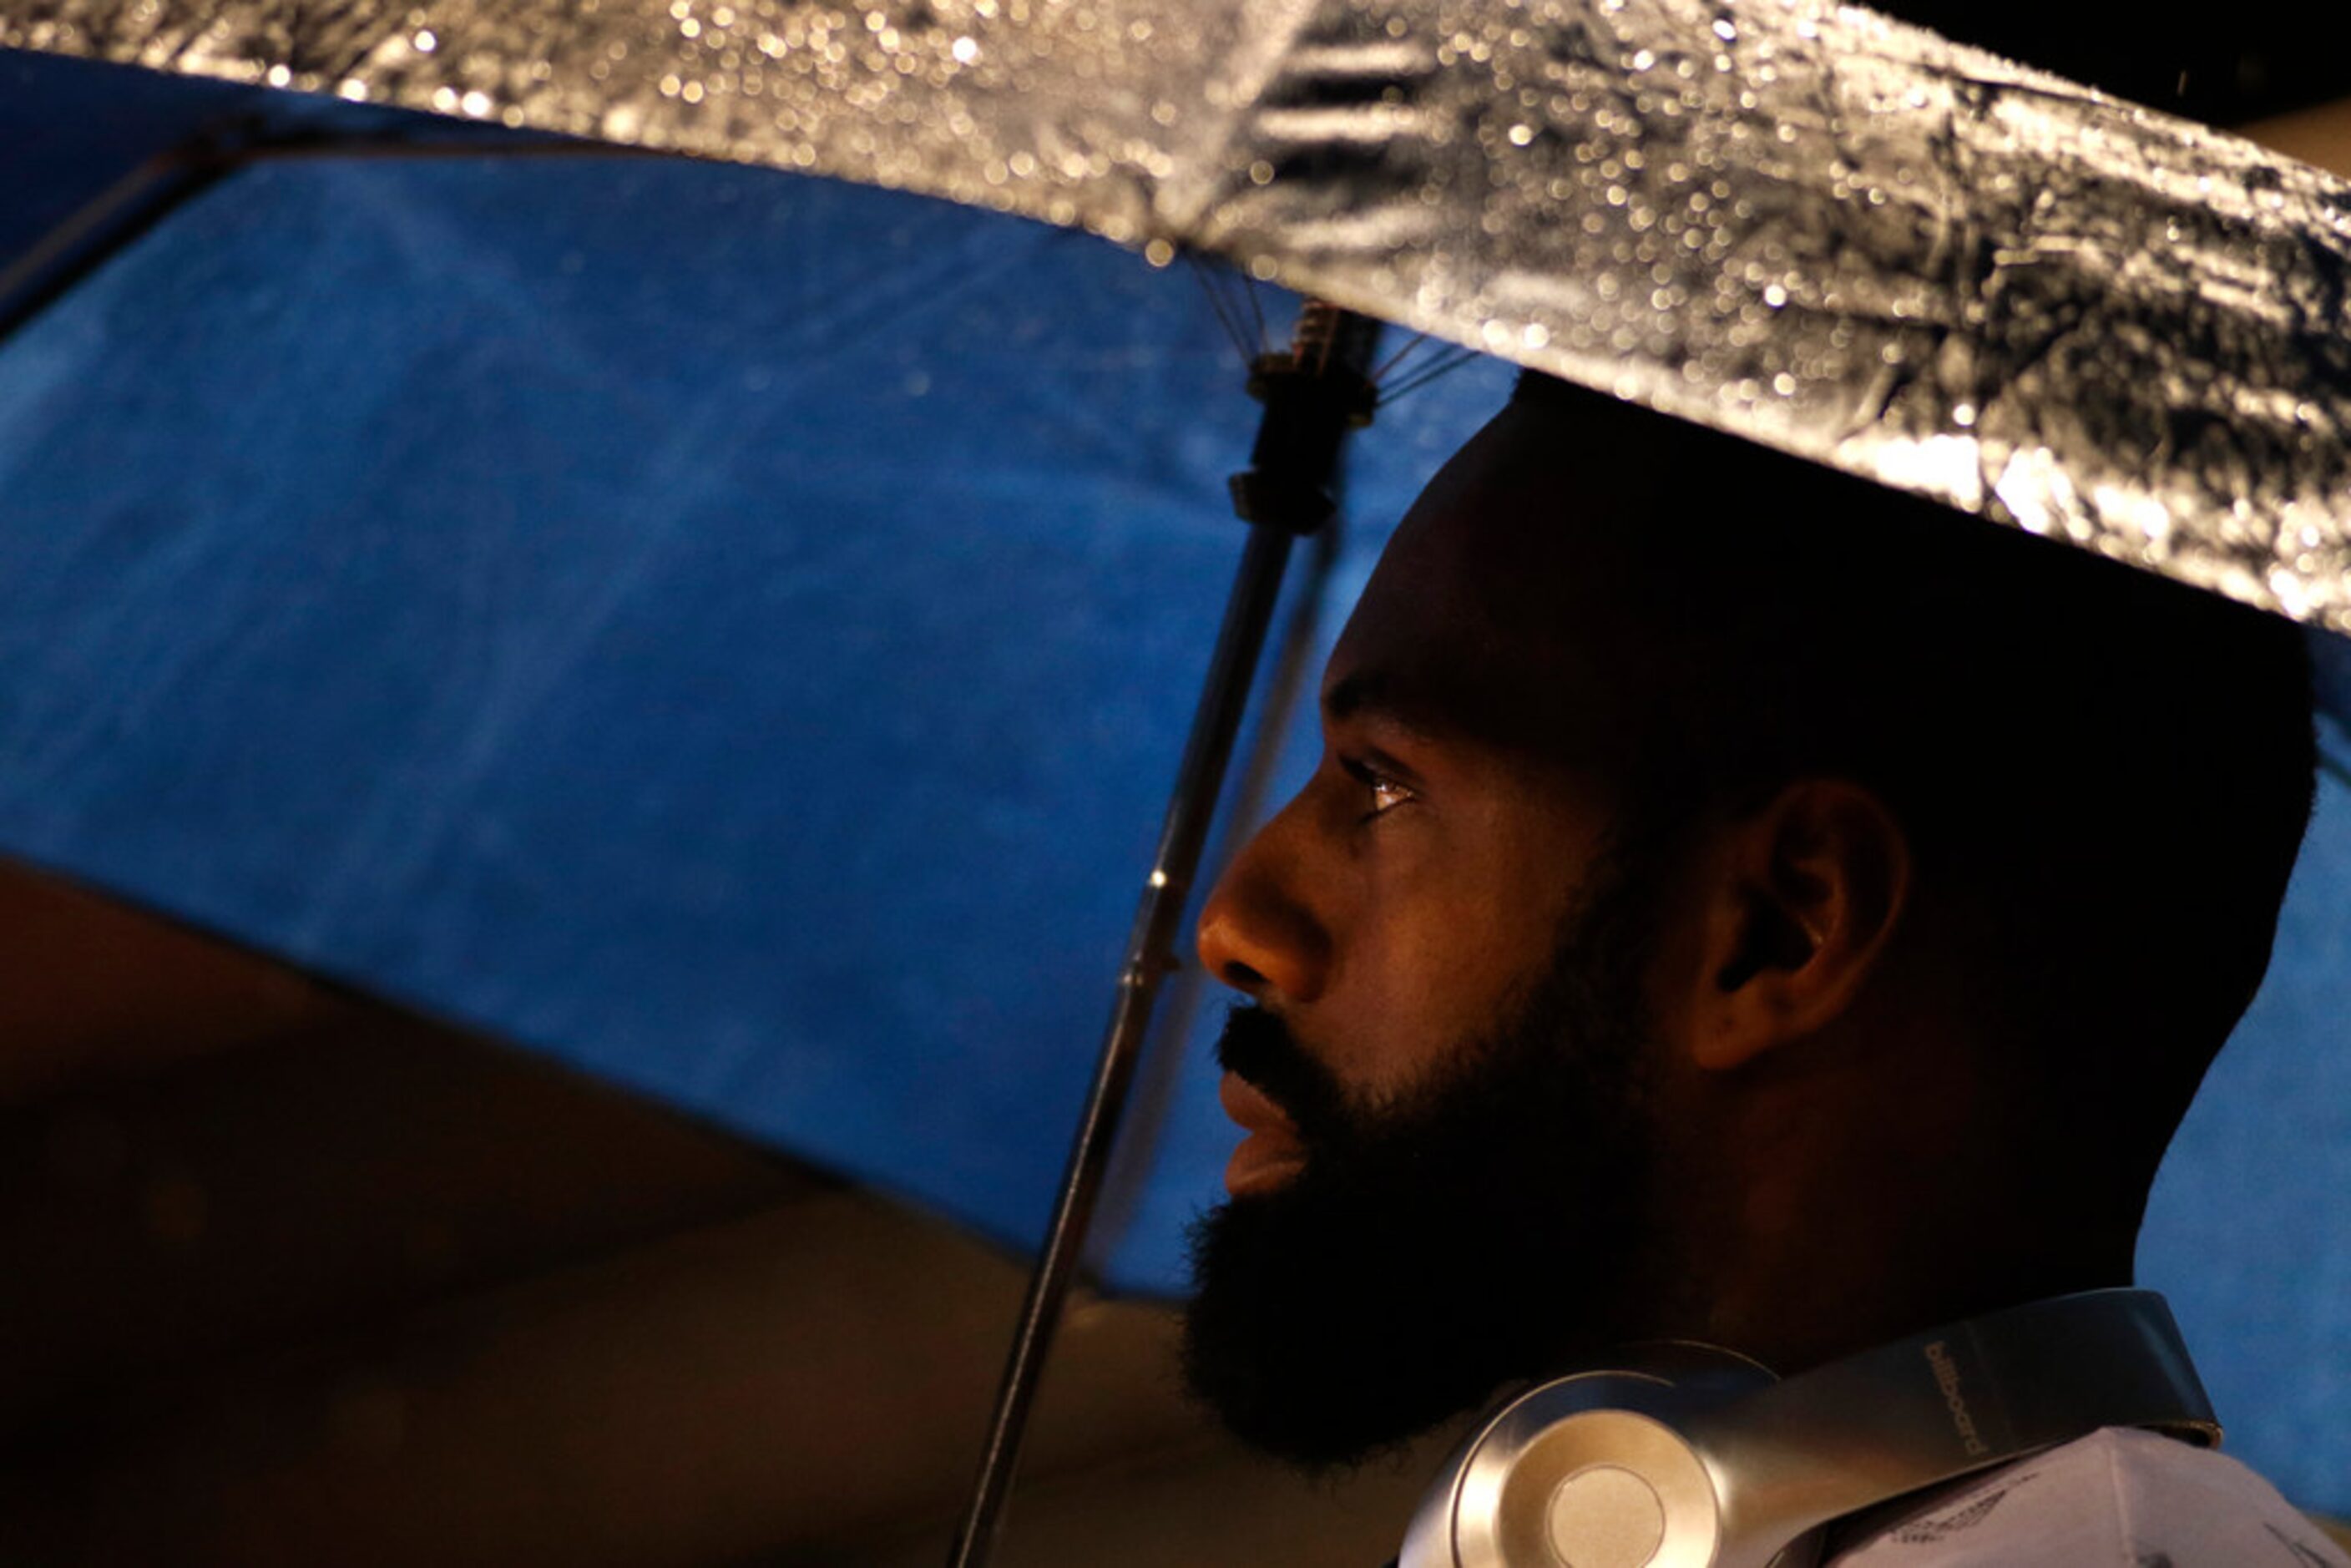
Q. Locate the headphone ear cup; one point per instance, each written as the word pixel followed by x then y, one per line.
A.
pixel 1594 1471
pixel 1585 1472
pixel 1608 1489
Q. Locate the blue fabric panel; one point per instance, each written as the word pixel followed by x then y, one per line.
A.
pixel 585 606
pixel 2248 1230
pixel 735 632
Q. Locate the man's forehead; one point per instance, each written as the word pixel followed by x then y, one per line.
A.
pixel 1396 692
pixel 1489 608
pixel 1441 682
pixel 1422 635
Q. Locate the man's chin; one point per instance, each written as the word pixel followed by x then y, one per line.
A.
pixel 1293 1347
pixel 1334 1320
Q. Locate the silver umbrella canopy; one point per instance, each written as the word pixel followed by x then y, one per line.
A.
pixel 1831 231
pixel 1837 235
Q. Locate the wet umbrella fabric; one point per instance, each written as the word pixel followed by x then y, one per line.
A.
pixel 1796 221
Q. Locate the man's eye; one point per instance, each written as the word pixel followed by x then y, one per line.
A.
pixel 1386 792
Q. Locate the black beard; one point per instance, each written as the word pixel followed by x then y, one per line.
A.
pixel 1478 1230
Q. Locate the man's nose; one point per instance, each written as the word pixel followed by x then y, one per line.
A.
pixel 1257 933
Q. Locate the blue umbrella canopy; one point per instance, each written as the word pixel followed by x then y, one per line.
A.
pixel 731 631
pixel 739 604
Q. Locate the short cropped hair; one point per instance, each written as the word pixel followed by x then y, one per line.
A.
pixel 2109 773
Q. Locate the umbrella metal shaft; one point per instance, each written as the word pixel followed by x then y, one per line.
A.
pixel 1312 395
pixel 1215 724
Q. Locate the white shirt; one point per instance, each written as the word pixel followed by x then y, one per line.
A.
pixel 2115 1498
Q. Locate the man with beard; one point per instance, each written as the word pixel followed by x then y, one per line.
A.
pixel 1736 904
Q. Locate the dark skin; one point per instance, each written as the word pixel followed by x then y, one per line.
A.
pixel 1837 1167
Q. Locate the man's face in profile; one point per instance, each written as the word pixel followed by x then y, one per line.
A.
pixel 1442 1070
pixel 1692 904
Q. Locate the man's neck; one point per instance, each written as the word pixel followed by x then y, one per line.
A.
pixel 1831 1233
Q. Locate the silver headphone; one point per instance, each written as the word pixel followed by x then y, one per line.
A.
pixel 1694 1458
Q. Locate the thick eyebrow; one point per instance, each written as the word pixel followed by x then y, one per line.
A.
pixel 1378 692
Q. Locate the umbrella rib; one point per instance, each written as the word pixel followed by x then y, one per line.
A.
pixel 1257 312
pixel 103 227
pixel 1435 369
pixel 500 143
pixel 125 211
pixel 1412 345
pixel 1222 308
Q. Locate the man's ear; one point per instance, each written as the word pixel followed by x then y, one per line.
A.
pixel 1807 893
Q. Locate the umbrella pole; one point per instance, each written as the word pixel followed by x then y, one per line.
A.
pixel 1314 394
pixel 1158 1077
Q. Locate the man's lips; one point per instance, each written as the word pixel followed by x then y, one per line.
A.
pixel 1272 1153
